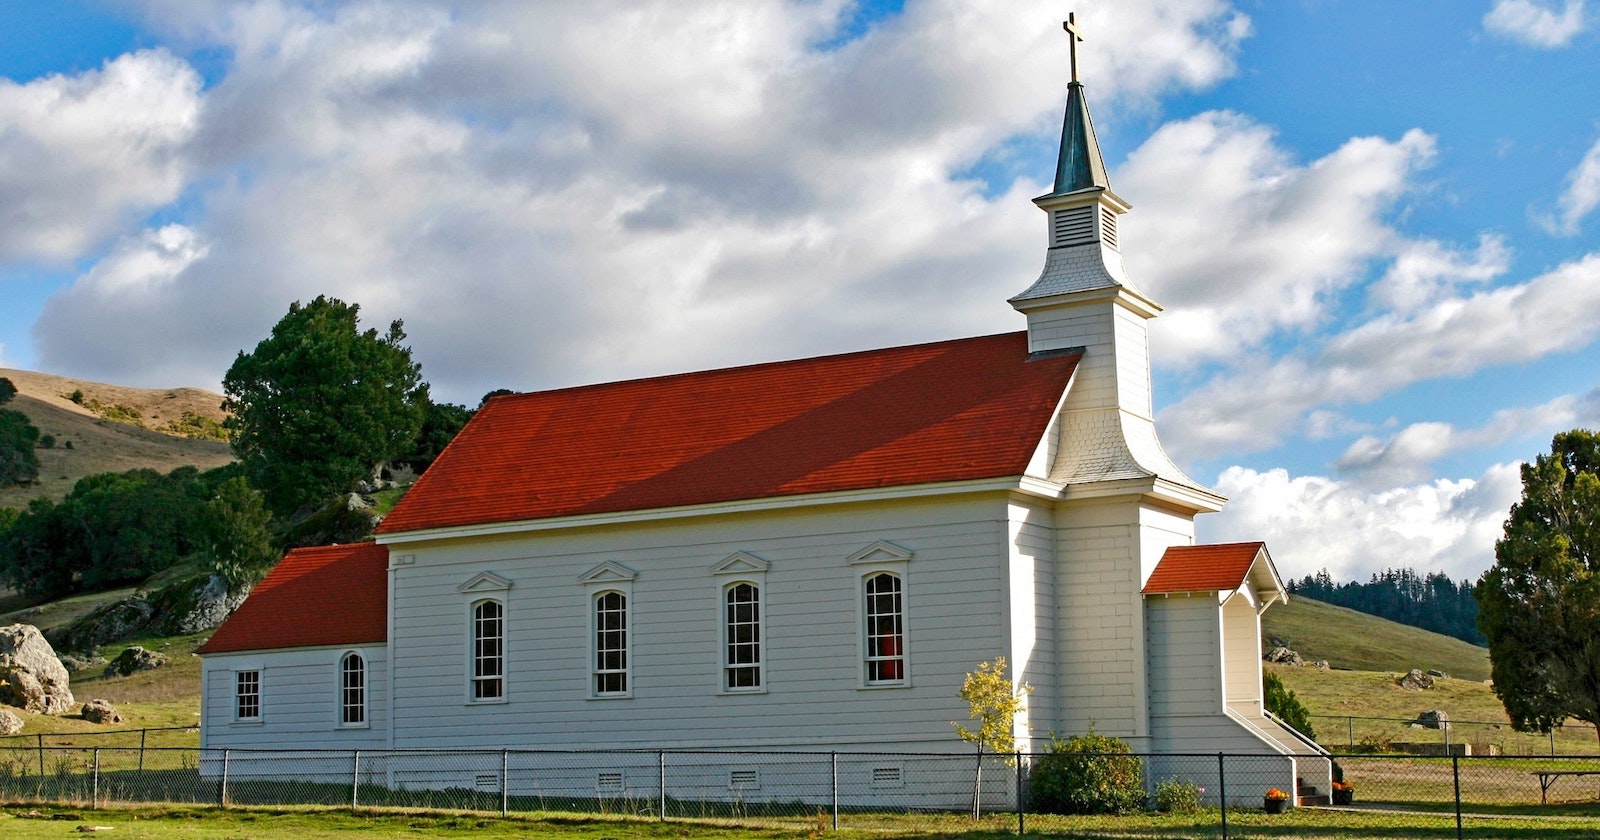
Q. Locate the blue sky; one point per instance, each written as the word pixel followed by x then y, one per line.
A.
pixel 1372 224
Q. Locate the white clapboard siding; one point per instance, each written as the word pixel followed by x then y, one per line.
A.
pixel 299 700
pixel 1032 545
pixel 1241 656
pixel 955 585
pixel 1185 671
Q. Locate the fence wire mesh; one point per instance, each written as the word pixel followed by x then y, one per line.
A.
pixel 1475 738
pixel 1381 795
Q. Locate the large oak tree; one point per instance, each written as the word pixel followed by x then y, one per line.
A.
pixel 319 405
pixel 1539 605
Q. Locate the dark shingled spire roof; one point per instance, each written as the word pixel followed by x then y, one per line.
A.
pixel 1079 167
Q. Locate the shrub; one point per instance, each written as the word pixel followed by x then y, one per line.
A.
pixel 1177 796
pixel 1285 705
pixel 1087 774
pixel 47 441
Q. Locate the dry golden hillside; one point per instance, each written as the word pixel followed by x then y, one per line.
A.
pixel 146 432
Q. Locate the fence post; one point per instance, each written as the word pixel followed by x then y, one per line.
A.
pixel 661 783
pixel 1022 827
pixel 355 779
pixel 505 783
pixel 834 787
pixel 41 755
pixel 1350 730
pixel 1552 734
pixel 1222 794
pixel 1455 770
pixel 222 790
pixel 94 797
pixel 141 749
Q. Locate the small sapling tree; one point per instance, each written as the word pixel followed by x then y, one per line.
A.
pixel 994 702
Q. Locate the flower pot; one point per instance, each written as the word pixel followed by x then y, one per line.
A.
pixel 1344 797
pixel 1275 806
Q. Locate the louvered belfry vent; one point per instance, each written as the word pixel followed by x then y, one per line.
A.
pixel 1108 227
pixel 1073 226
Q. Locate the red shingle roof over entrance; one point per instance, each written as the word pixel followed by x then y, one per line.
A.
pixel 954 410
pixel 1203 568
pixel 329 595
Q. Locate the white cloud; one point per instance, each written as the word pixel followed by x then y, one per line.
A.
pixel 1252 406
pixel 1581 196
pixel 1315 522
pixel 1280 237
pixel 1536 24
pixel 505 178
pixel 131 320
pixel 1408 455
pixel 79 155
pixel 1425 271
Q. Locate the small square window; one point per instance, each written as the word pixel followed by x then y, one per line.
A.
pixel 247 695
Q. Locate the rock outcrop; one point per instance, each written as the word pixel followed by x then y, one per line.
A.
pixel 1415 680
pixel 10 724
pixel 133 660
pixel 192 605
pixel 1284 656
pixel 1434 719
pixel 31 677
pixel 196 605
pixel 101 711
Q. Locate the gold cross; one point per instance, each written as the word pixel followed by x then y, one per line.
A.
pixel 1074 35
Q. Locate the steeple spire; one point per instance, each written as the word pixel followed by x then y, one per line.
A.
pixel 1079 166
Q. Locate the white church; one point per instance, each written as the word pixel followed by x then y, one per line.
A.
pixel 796 556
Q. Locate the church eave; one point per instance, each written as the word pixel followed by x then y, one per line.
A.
pixel 742 506
pixel 1154 488
pixel 1125 295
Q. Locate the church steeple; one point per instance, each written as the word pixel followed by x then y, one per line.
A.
pixel 1083 211
pixel 1079 166
pixel 1083 301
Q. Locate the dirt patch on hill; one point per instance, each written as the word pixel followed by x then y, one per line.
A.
pixel 144 436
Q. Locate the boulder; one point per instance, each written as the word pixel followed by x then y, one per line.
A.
pixel 34 679
pixel 82 663
pixel 1434 719
pixel 10 724
pixel 196 605
pixel 1435 672
pixel 1415 680
pixel 1284 656
pixel 108 623
pixel 1321 663
pixel 133 660
pixel 101 711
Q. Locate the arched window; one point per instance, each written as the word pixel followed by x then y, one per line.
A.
pixel 611 643
pixel 352 690
pixel 885 630
pixel 488 651
pixel 741 664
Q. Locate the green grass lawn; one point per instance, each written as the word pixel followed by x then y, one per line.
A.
pixel 26 823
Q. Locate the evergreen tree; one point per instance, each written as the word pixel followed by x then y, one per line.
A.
pixel 1540 601
pixel 19 463
pixel 319 405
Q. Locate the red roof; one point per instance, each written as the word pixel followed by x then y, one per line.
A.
pixel 329 595
pixel 954 410
pixel 1203 568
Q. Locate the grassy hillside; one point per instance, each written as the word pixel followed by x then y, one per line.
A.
pixel 1355 641
pixel 1360 702
pixel 112 429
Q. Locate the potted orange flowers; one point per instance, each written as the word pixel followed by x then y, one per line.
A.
pixel 1275 802
pixel 1344 793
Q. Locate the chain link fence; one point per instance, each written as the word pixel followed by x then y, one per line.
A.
pixel 1386 795
pixel 1431 736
